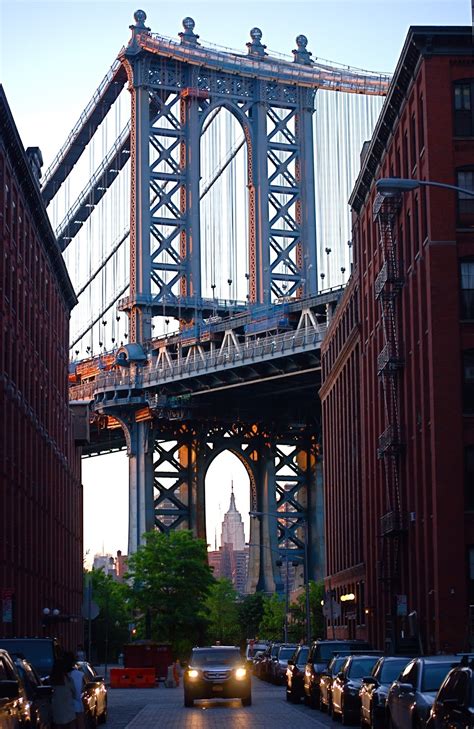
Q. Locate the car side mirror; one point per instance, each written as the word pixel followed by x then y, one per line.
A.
pixel 370 681
pixel 405 688
pixel 291 662
pixel 341 676
pixel 9 689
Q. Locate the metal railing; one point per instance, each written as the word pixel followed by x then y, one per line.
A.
pixel 179 368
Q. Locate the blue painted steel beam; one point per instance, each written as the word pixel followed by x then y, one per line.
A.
pixel 83 131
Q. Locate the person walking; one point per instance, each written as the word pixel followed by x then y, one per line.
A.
pixel 62 701
pixel 77 678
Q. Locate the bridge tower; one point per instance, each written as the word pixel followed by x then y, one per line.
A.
pixel 171 99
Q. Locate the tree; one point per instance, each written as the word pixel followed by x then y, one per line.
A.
pixel 222 613
pixel 250 615
pixel 271 626
pixel 171 581
pixel 109 630
pixel 297 626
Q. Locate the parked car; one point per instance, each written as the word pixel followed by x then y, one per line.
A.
pixel 12 712
pixel 254 647
pixel 266 661
pixel 374 690
pixel 453 707
pixel 257 665
pixel 279 663
pixel 94 695
pixel 325 682
pixel 40 652
pixel 347 683
pixel 36 696
pixel 320 654
pixel 412 695
pixel 295 674
pixel 217 672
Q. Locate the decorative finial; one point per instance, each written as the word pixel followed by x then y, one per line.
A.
pixel 301 54
pixel 189 36
pixel 256 47
pixel 139 16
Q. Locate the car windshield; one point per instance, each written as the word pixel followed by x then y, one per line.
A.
pixel 361 667
pixel 302 656
pixel 285 653
pixel 325 651
pixel 220 657
pixel 391 670
pixel 37 652
pixel 434 675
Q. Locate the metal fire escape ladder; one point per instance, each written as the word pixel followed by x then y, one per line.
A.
pixel 390 363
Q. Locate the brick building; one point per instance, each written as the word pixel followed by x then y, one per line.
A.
pixel 398 374
pixel 40 489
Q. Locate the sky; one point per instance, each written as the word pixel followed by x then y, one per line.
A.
pixel 53 56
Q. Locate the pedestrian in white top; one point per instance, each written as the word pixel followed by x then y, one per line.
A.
pixel 77 678
pixel 62 701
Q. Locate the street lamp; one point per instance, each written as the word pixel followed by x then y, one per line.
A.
pixel 304 524
pixel 395 185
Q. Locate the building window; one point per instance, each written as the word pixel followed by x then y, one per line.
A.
pixel 413 141
pixel 469 483
pixel 468 382
pixel 467 289
pixel 421 123
pixel 464 108
pixel 465 179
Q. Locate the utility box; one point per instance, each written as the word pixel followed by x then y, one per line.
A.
pixel 147 654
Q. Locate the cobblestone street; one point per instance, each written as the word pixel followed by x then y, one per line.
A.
pixel 160 707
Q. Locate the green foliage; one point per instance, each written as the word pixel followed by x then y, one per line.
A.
pixel 297 625
pixel 109 631
pixel 250 615
pixel 273 620
pixel 171 581
pixel 222 613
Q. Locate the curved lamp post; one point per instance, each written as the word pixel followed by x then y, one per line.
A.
pixel 396 185
pixel 304 524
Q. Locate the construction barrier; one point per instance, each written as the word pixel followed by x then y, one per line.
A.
pixel 132 678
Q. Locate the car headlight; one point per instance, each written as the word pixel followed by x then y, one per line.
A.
pixel 192 673
pixel 240 673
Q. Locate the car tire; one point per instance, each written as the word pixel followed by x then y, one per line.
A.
pixel 92 721
pixel 188 702
pixel 103 717
pixel 295 699
pixel 247 700
pixel 390 722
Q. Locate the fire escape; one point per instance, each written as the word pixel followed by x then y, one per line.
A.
pixel 390 363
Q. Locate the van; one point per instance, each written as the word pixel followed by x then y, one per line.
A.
pixel 320 653
pixel 40 652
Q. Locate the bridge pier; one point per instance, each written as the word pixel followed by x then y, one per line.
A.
pixel 140 466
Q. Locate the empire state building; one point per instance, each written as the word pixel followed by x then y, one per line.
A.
pixel 231 560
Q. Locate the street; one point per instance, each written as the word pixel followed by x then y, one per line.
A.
pixel 162 707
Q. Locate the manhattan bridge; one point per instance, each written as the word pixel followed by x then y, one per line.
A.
pixel 184 203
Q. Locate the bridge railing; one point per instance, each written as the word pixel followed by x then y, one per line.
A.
pixel 179 367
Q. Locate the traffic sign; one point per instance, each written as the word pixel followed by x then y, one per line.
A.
pixel 90 610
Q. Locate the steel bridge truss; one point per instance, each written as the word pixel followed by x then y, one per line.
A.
pixel 276 118
pixel 181 456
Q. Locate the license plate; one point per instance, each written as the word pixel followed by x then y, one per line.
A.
pixel 218 688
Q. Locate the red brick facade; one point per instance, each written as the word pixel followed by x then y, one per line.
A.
pixel 40 490
pixel 409 500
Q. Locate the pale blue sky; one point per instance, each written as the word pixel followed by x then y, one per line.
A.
pixel 54 54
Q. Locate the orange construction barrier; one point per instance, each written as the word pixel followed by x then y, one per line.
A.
pixel 132 678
